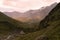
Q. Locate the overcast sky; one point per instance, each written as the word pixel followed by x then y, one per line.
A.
pixel 24 5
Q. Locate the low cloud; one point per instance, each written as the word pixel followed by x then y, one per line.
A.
pixel 23 5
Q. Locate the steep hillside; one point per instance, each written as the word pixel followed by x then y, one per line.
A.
pixel 50 27
pixel 6 18
pixel 53 16
pixel 8 26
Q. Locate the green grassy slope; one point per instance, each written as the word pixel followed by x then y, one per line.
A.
pixel 50 27
pixel 7 25
pixel 16 23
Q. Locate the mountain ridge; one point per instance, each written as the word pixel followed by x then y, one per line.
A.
pixel 38 14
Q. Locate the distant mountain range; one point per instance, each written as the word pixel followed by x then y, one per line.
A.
pixel 31 15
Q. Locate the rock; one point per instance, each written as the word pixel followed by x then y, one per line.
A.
pixel 22 32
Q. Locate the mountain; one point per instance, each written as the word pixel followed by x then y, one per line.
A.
pixel 6 24
pixel 31 15
pixel 50 27
pixel 30 19
pixel 8 21
pixel 39 14
pixel 53 16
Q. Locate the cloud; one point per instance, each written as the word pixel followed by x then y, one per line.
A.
pixel 24 5
pixel 28 3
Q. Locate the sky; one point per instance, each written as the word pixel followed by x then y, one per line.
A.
pixel 24 5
